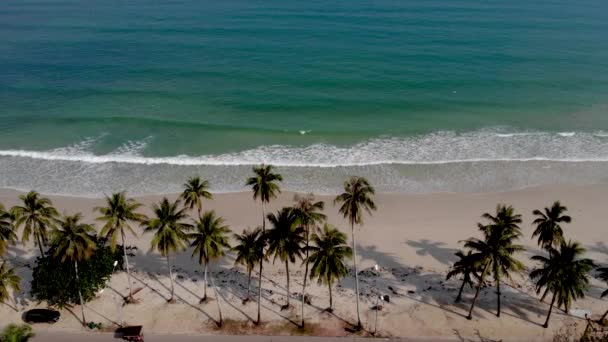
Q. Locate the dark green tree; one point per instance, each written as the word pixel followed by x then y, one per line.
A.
pixel 16 333
pixel 264 185
pixel 36 216
pixel 468 266
pixel 247 253
pixel 8 280
pixel 7 231
pixel 194 192
pixel 563 273
pixel 548 225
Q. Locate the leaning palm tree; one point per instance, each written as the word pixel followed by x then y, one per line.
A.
pixel 285 240
pixel 36 215
pixel 74 243
pixel 309 215
pixel 210 240
pixel 264 186
pixel 357 198
pixel 496 251
pixel 564 273
pixel 117 214
pixel 548 227
pixel 169 231
pixel 603 275
pixel 468 266
pixel 7 230
pixel 328 256
pixel 8 280
pixel 194 192
pixel 246 253
pixel 16 333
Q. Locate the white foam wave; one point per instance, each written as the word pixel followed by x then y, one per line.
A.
pixel 436 148
pixel 566 134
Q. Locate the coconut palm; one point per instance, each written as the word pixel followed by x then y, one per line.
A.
pixel 210 240
pixel 36 215
pixel 264 186
pixel 329 252
pixel 16 333
pixel 246 253
pixel 564 273
pixel 7 230
pixel 74 243
pixel 468 266
pixel 169 231
pixel 285 240
pixel 309 215
pixel 548 228
pixel 357 198
pixel 496 251
pixel 8 280
pixel 194 192
pixel 603 275
pixel 117 214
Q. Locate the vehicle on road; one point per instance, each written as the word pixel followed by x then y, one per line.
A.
pixel 131 333
pixel 41 316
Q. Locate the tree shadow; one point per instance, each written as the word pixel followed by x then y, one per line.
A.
pixel 477 334
pixel 434 248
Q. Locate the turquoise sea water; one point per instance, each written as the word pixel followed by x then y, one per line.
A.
pixel 437 95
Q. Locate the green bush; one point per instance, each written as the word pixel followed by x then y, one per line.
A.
pixel 16 333
pixel 55 282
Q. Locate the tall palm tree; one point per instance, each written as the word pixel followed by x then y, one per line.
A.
pixel 16 333
pixel 74 243
pixel 548 228
pixel 564 273
pixel 7 230
pixel 357 198
pixel 210 240
pixel 36 215
pixel 169 231
pixel 285 240
pixel 496 251
pixel 603 274
pixel 8 280
pixel 194 192
pixel 328 255
pixel 468 266
pixel 246 253
pixel 117 214
pixel 309 215
pixel 264 186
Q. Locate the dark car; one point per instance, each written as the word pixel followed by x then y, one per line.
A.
pixel 41 316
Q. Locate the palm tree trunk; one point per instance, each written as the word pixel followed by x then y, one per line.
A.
pixel 287 272
pixel 124 250
pixel 205 287
pixel 498 297
pixel 550 309
pixel 483 274
pixel 259 292
pixel 217 299
pixel 248 283
pixel 542 299
pixel 352 228
pixel 84 321
pixel 331 299
pixel 200 208
pixel 459 297
pixel 40 245
pixel 170 278
pixel 305 277
pixel 604 316
pixel 263 217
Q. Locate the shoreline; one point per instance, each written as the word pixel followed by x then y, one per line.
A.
pixel 412 237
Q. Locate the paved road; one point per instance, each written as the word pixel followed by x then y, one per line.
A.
pixel 49 336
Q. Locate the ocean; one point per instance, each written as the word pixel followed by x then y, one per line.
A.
pixel 418 96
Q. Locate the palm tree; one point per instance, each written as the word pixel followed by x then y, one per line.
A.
pixel 264 186
pixel 564 273
pixel 468 266
pixel 246 253
pixel 73 243
pixel 357 197
pixel 16 333
pixel 36 216
pixel 209 241
pixel 8 280
pixel 285 240
pixel 309 215
pixel 603 274
pixel 7 230
pixel 328 255
pixel 496 251
pixel 548 227
pixel 117 214
pixel 169 231
pixel 260 244
pixel 194 192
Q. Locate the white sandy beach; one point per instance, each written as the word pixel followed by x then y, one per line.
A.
pixel 412 237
